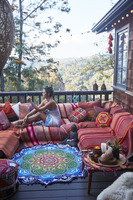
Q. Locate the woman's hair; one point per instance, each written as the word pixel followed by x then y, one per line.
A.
pixel 49 91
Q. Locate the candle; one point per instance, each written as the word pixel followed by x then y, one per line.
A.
pixel 103 147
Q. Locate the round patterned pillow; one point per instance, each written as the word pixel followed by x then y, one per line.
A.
pixel 103 119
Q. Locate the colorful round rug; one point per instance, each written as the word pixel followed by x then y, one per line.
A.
pixel 48 164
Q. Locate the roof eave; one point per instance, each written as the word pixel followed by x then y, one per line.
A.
pixel 118 9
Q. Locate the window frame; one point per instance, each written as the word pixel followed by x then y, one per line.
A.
pixel 121 86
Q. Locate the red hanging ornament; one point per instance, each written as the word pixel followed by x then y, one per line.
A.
pixel 109 48
pixel 110 37
pixel 109 42
pixel 110 51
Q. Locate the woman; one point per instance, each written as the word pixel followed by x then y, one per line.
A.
pixel 47 113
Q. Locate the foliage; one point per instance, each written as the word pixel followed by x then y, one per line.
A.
pixel 115 144
pixel 75 77
pixel 101 63
pixel 27 56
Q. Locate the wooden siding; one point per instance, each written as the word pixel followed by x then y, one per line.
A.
pixel 125 98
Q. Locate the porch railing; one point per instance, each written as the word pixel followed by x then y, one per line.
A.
pixel 60 96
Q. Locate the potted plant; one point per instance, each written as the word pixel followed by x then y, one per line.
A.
pixel 115 145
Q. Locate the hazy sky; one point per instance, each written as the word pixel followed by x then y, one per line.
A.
pixel 83 15
pixel 80 42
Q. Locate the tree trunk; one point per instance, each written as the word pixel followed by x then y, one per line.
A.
pixel 20 38
pixel 2 81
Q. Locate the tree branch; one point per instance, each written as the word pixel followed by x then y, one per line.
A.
pixel 35 9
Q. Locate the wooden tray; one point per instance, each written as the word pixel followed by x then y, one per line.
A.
pixel 120 162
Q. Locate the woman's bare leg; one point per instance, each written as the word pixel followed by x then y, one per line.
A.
pixel 18 122
pixel 34 118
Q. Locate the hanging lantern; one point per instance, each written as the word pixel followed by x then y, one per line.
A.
pixel 103 87
pixel 6 32
pixel 95 86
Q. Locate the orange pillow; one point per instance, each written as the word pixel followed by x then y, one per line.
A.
pixel 7 108
pixel 103 119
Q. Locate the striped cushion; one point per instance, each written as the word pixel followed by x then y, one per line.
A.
pixel 65 121
pixel 66 109
pixel 116 118
pixel 90 137
pixel 9 142
pixel 34 135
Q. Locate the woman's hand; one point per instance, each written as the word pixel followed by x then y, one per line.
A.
pixel 28 99
pixel 25 120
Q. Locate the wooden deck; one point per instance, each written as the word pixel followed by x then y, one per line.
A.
pixel 76 190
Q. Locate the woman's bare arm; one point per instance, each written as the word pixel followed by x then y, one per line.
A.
pixel 34 106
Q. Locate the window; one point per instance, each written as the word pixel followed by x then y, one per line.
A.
pixel 121 57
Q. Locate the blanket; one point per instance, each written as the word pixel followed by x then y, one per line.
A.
pixel 121 189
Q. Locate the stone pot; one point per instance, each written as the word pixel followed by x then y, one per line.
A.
pixel 116 153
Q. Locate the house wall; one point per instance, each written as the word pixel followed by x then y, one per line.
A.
pixel 126 98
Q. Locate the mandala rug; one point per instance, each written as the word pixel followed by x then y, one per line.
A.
pixel 49 164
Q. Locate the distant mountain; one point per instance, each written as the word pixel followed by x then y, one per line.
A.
pixel 71 72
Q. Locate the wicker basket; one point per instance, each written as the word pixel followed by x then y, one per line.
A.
pixel 8 178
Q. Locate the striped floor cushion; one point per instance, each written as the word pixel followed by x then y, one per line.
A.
pixel 9 142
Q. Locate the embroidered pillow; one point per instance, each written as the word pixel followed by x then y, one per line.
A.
pixel 7 108
pixel 103 119
pixel 78 115
pixel 4 122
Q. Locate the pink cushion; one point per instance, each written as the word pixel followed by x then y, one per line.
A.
pixel 116 109
pixel 78 115
pixel 4 122
pixel 87 105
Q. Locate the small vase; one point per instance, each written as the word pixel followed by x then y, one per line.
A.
pixel 116 153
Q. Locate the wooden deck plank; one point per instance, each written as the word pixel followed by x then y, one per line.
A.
pixel 76 190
